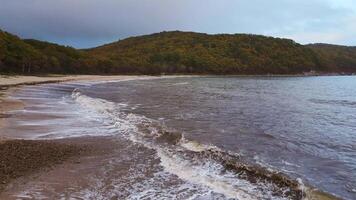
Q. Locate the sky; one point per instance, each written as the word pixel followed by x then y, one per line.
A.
pixel 89 23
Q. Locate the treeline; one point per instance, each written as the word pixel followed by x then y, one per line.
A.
pixel 176 52
pixel 335 58
pixel 184 52
pixel 19 56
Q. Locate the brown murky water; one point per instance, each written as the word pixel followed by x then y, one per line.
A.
pixel 196 138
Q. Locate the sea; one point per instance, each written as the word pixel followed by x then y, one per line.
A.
pixel 202 137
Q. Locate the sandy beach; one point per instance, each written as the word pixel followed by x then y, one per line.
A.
pixel 22 158
pixel 8 81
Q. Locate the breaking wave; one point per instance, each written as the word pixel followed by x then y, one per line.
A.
pixel 222 172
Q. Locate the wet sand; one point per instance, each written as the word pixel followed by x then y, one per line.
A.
pixel 5 106
pixel 10 81
pixel 9 84
pixel 21 159
pixel 54 166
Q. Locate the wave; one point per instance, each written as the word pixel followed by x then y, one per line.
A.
pixel 223 172
pixel 181 83
pixel 345 103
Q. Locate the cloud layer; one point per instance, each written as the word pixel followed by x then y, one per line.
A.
pixel 87 23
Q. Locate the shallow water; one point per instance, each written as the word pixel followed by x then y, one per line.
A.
pixel 195 133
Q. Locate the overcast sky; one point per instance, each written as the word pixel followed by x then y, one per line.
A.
pixel 88 23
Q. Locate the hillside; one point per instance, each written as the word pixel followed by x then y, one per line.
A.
pixel 57 58
pixel 185 52
pixel 33 56
pixel 335 57
pixel 176 52
pixel 16 55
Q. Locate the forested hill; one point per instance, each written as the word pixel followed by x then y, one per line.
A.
pixel 32 56
pixel 201 53
pixel 14 53
pixel 176 52
pixel 336 58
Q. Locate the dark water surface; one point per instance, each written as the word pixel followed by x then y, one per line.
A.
pixel 304 127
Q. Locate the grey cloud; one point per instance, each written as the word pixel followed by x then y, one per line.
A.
pixel 85 23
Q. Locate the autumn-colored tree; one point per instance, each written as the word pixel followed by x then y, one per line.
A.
pixel 176 52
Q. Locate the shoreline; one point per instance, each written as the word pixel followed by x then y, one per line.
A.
pixel 10 83
pixel 65 160
pixel 18 80
pixel 20 159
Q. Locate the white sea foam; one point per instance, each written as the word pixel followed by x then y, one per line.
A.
pixel 209 178
pixel 196 146
pixel 181 83
pixel 207 174
pixel 204 176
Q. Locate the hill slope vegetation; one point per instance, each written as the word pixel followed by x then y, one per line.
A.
pixel 336 58
pixel 176 52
